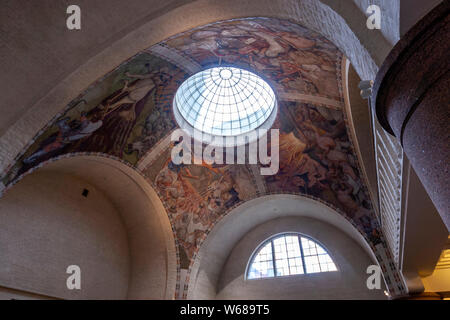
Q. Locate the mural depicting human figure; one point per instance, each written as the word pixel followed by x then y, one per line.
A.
pixel 66 135
pixel 129 119
pixel 291 56
pixel 121 110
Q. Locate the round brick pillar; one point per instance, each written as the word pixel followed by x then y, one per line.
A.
pixel 412 102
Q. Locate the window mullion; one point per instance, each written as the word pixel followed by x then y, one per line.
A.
pixel 287 255
pixel 273 259
pixel 302 254
pixel 318 259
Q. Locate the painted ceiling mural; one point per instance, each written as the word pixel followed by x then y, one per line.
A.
pixel 128 115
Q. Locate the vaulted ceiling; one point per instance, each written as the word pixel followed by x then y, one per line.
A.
pixel 127 115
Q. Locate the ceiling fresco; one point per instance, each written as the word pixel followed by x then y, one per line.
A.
pixel 128 115
pixel 272 48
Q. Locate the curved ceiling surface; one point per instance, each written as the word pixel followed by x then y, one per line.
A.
pixel 128 115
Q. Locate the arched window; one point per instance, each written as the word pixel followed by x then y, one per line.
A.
pixel 289 254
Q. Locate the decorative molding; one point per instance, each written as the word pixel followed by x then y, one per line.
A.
pixel 351 128
pixel 389 162
pixel 176 57
pixel 389 165
pixel 299 97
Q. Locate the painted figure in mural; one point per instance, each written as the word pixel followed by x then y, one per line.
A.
pixel 108 126
pixel 184 203
pixel 142 86
pixel 159 122
pixel 315 158
pixel 197 195
pixel 68 132
pixel 287 55
pixel 121 110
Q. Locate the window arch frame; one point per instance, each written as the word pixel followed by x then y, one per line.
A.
pixel 270 239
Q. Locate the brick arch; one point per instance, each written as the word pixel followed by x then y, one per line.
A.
pixel 223 236
pixel 141 211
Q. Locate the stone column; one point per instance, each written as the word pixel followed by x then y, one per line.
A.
pixel 412 102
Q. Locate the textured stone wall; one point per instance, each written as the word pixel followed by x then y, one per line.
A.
pixel 47 225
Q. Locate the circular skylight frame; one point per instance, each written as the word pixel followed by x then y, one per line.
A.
pixel 226 74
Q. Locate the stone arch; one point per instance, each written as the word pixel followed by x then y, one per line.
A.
pixel 148 251
pixel 224 235
pixel 347 282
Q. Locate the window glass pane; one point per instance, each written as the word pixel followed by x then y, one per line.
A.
pixel 316 258
pixel 262 265
pixel 287 255
pixel 287 251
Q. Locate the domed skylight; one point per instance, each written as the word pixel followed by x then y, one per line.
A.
pixel 224 101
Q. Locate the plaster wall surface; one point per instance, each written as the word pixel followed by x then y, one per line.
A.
pixel 411 11
pixel 13 294
pixel 425 233
pixel 150 238
pixel 119 234
pixel 439 281
pixel 46 225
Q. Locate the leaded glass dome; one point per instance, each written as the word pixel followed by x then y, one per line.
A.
pixel 224 101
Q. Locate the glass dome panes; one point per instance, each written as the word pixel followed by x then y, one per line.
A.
pixel 289 254
pixel 225 101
